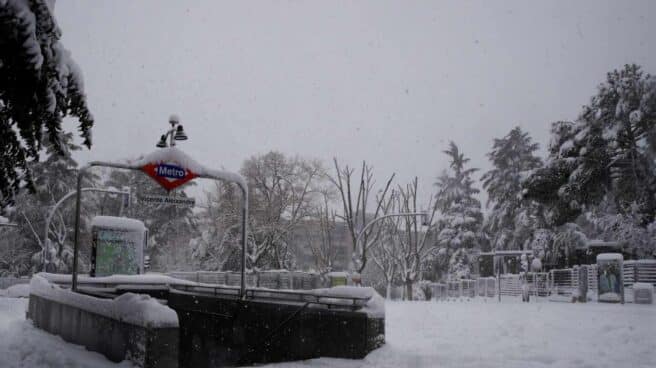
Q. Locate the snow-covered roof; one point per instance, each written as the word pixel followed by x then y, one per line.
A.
pixel 118 223
pixel 174 155
pixel 609 256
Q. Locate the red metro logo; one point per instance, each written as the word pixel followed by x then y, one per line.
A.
pixel 169 176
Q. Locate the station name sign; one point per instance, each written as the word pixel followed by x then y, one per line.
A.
pixel 159 199
pixel 168 175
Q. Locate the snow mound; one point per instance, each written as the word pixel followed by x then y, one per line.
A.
pixel 18 291
pixel 140 310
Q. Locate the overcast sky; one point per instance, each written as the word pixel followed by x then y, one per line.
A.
pixel 386 82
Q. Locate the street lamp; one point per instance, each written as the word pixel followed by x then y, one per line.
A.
pixel 176 133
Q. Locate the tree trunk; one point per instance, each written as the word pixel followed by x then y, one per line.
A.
pixel 388 295
pixel 408 290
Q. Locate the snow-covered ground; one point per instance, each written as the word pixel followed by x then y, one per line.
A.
pixel 510 334
pixel 427 334
pixel 24 346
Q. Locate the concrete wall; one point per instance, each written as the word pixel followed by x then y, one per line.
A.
pixel 220 332
pixel 146 347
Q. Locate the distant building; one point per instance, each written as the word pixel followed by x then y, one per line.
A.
pixel 308 234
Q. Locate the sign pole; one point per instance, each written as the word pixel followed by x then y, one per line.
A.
pixel 244 220
pixel 78 194
pixel 158 166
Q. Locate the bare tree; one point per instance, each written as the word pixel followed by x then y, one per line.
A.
pixel 218 228
pixel 283 192
pixel 386 254
pixel 408 237
pixel 355 205
pixel 320 237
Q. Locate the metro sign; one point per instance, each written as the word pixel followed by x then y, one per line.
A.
pixel 168 175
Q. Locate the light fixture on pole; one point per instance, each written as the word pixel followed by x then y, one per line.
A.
pixel 162 142
pixel 180 134
pixel 176 133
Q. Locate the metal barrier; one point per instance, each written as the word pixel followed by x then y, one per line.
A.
pixel 510 285
pixel 487 286
pixel 640 271
pixel 283 280
pixel 563 282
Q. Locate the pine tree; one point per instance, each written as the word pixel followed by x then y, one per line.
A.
pixel 607 153
pixel 39 85
pixel 55 177
pixel 461 217
pixel 512 217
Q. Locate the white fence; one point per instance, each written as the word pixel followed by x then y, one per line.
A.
pixel 640 271
pixel 508 285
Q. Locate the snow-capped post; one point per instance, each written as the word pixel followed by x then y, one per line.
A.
pixel 170 168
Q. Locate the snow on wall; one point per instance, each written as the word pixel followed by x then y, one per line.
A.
pixel 140 310
pixel 150 278
pixel 375 306
pixel 18 291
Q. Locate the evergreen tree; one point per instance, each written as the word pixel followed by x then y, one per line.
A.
pixel 461 217
pixel 55 176
pixel 39 85
pixel 607 153
pixel 512 217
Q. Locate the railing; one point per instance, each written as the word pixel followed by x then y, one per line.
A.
pixel 640 271
pixel 288 296
pixel 109 289
pixel 289 280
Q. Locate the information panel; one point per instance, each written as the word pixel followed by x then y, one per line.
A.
pixel 117 246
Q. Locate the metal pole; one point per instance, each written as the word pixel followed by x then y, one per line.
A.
pixel 216 175
pixel 499 278
pixel 59 203
pixel 244 220
pixel 357 239
pixel 78 196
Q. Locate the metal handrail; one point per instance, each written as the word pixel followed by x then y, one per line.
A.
pixel 354 302
pixel 290 296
